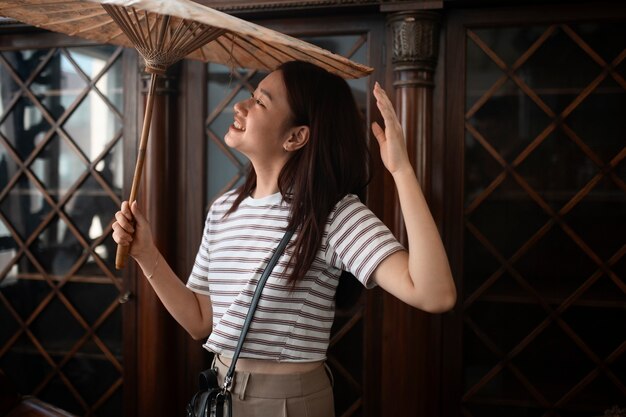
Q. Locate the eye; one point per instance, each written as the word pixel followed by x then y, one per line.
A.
pixel 257 101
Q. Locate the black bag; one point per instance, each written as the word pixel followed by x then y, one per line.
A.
pixel 211 400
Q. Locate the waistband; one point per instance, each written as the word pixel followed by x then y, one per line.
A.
pixel 275 386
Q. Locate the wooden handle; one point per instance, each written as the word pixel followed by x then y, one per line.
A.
pixel 122 251
pixel 121 256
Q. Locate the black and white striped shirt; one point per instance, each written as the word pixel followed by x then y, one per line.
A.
pixel 289 324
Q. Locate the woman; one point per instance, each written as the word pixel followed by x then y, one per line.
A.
pixel 304 137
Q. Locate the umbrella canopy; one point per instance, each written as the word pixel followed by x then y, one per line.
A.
pixel 164 31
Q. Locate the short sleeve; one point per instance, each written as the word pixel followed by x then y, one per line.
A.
pixel 358 241
pixel 198 279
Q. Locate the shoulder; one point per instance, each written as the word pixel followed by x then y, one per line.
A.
pixel 223 202
pixel 349 201
pixel 349 207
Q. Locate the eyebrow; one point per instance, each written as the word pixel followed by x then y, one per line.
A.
pixel 265 93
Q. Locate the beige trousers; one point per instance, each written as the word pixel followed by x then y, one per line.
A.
pixel 306 394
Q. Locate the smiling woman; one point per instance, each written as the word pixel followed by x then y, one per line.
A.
pixel 305 139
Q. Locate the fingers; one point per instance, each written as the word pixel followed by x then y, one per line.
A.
pixel 383 102
pixel 379 133
pixel 123 227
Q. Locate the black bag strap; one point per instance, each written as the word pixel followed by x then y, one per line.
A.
pixel 228 379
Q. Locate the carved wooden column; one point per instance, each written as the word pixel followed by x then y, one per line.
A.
pixel 157 332
pixel 410 359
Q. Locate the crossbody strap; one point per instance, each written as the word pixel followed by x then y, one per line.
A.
pixel 255 300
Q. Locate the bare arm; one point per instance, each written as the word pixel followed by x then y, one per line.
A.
pixel 191 310
pixel 421 278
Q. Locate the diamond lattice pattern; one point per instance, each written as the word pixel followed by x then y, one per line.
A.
pixel 544 301
pixel 60 182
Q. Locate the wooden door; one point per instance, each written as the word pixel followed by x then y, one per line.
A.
pixel 536 215
pixel 62 121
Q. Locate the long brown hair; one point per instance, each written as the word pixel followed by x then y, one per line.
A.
pixel 332 164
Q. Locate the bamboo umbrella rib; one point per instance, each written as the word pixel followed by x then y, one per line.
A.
pixel 119 19
pixel 245 39
pixel 232 56
pixel 80 18
pixel 181 30
pixel 161 32
pixel 129 28
pixel 138 23
pixel 182 35
pixel 85 8
pixel 147 20
pixel 207 36
pixel 88 28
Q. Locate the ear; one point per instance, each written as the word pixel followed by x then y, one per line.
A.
pixel 298 137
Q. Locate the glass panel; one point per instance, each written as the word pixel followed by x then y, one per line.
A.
pixel 110 84
pixel 508 43
pixel 92 59
pixel 482 73
pixel 55 251
pixel 90 308
pixel 25 207
pixel 91 209
pixel 58 85
pixel 605 106
pixel 109 333
pixel 8 90
pixel 509 121
pixel 56 392
pixel 553 363
pixel 558 169
pixel 24 294
pixel 596 326
pixel 478 359
pixel 92 125
pixel 106 252
pixel 58 166
pixel 25 61
pixel 26 123
pixel 493 218
pixel 555 266
pixel 91 374
pixel 54 338
pixel 601 37
pixel 550 71
pixel 492 317
pixel 24 365
pixel 484 265
pixel 581 152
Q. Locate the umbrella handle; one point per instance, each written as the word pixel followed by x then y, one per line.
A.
pixel 121 254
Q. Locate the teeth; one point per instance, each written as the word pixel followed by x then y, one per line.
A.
pixel 238 126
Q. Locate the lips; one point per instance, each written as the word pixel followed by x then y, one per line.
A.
pixel 238 126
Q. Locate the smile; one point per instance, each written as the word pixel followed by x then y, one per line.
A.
pixel 238 126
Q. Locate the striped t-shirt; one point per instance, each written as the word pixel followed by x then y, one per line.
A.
pixel 289 324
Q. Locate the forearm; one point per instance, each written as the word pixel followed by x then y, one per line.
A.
pixel 180 301
pixel 428 265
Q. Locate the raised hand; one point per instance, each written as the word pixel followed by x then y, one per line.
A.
pixel 391 140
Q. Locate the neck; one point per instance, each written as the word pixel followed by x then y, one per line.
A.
pixel 266 180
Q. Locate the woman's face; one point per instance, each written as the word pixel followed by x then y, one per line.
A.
pixel 262 123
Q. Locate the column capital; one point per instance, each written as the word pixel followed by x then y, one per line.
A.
pixel 415 37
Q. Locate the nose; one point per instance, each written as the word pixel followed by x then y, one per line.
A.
pixel 241 107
